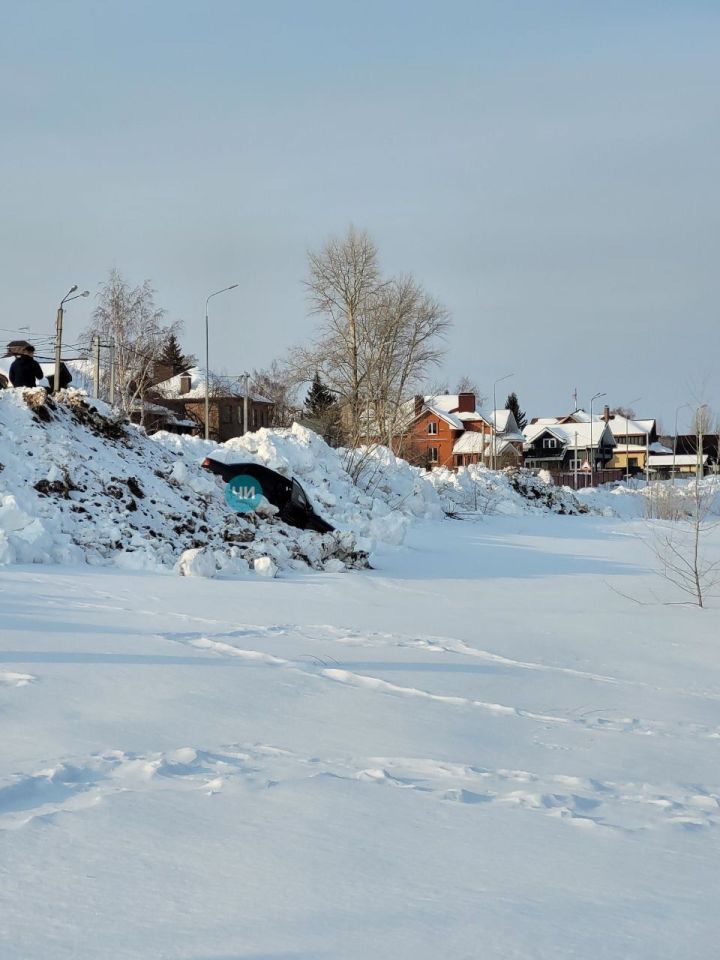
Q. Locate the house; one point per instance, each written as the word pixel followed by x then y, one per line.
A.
pixel 668 465
pixel 634 440
pixel 686 445
pixel 184 394
pixel 564 449
pixel 447 430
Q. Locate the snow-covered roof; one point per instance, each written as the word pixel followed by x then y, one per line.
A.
pixel 482 444
pixel 680 459
pixel 471 442
pixel 573 435
pixel 451 418
pixel 501 418
pixel 170 388
pixel 622 426
pixel 449 402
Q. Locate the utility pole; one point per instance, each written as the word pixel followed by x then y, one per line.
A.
pixel 576 461
pixel 96 367
pixel 112 375
pixel 59 331
pixel 246 378
pixel 58 346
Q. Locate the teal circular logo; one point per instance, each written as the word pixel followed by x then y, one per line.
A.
pixel 243 493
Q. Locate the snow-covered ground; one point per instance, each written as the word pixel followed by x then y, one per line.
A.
pixel 480 749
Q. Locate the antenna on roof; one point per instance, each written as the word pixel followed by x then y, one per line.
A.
pixel 575 398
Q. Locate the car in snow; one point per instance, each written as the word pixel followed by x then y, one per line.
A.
pixel 286 494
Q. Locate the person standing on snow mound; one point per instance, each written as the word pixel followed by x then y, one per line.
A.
pixel 65 379
pixel 25 371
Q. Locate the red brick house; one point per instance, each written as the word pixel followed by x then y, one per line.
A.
pixel 447 430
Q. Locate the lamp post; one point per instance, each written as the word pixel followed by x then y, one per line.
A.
pixel 207 358
pixel 677 411
pixel 592 451
pixel 494 435
pixel 59 330
pixel 627 444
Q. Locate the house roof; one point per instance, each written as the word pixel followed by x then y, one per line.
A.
pixel 620 426
pixel 681 460
pixel 170 388
pixel 481 444
pixel 471 442
pixel 451 418
pixel 573 435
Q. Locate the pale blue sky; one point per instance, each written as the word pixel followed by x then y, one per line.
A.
pixel 549 170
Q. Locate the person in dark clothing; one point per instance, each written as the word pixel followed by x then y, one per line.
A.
pixel 65 378
pixel 25 371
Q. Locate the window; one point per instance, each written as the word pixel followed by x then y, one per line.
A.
pixel 432 428
pixel 432 454
pixel 225 413
pixel 632 463
pixel 549 443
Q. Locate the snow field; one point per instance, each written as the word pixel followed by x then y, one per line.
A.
pixel 477 749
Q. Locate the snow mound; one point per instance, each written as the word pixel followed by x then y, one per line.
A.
pixel 476 489
pixel 78 485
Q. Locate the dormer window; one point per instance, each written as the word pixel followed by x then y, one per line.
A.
pixel 549 443
pixel 432 428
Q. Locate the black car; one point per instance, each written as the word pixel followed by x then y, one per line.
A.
pixel 287 495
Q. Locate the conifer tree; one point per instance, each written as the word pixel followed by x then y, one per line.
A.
pixel 173 356
pixel 319 399
pixel 513 405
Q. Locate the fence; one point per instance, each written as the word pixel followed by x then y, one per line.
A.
pixel 582 478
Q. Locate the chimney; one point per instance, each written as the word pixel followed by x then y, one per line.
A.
pixel 185 383
pixel 606 413
pixel 419 404
pixel 466 403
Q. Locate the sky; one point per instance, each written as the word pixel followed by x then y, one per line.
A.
pixel 547 170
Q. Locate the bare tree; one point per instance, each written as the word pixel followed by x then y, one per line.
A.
pixel 276 382
pixel 377 341
pixel 466 384
pixel 680 547
pixel 703 421
pixel 344 280
pixel 127 320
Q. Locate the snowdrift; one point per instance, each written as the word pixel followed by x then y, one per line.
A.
pixel 78 485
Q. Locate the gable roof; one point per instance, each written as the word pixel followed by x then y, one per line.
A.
pixel 170 388
pixel 573 435
pixel 452 418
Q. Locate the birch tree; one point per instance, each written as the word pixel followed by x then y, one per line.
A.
pixel 127 320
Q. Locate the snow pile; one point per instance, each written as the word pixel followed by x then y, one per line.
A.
pixel 509 492
pixel 78 485
pixel 377 506
pixel 660 499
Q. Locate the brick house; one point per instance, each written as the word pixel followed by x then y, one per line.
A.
pixel 184 394
pixel 447 430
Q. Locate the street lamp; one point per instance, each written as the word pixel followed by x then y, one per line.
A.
pixel 207 358
pixel 592 451
pixel 627 443
pixel 59 328
pixel 494 449
pixel 677 411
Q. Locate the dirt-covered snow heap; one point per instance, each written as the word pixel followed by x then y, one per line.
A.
pixel 78 485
